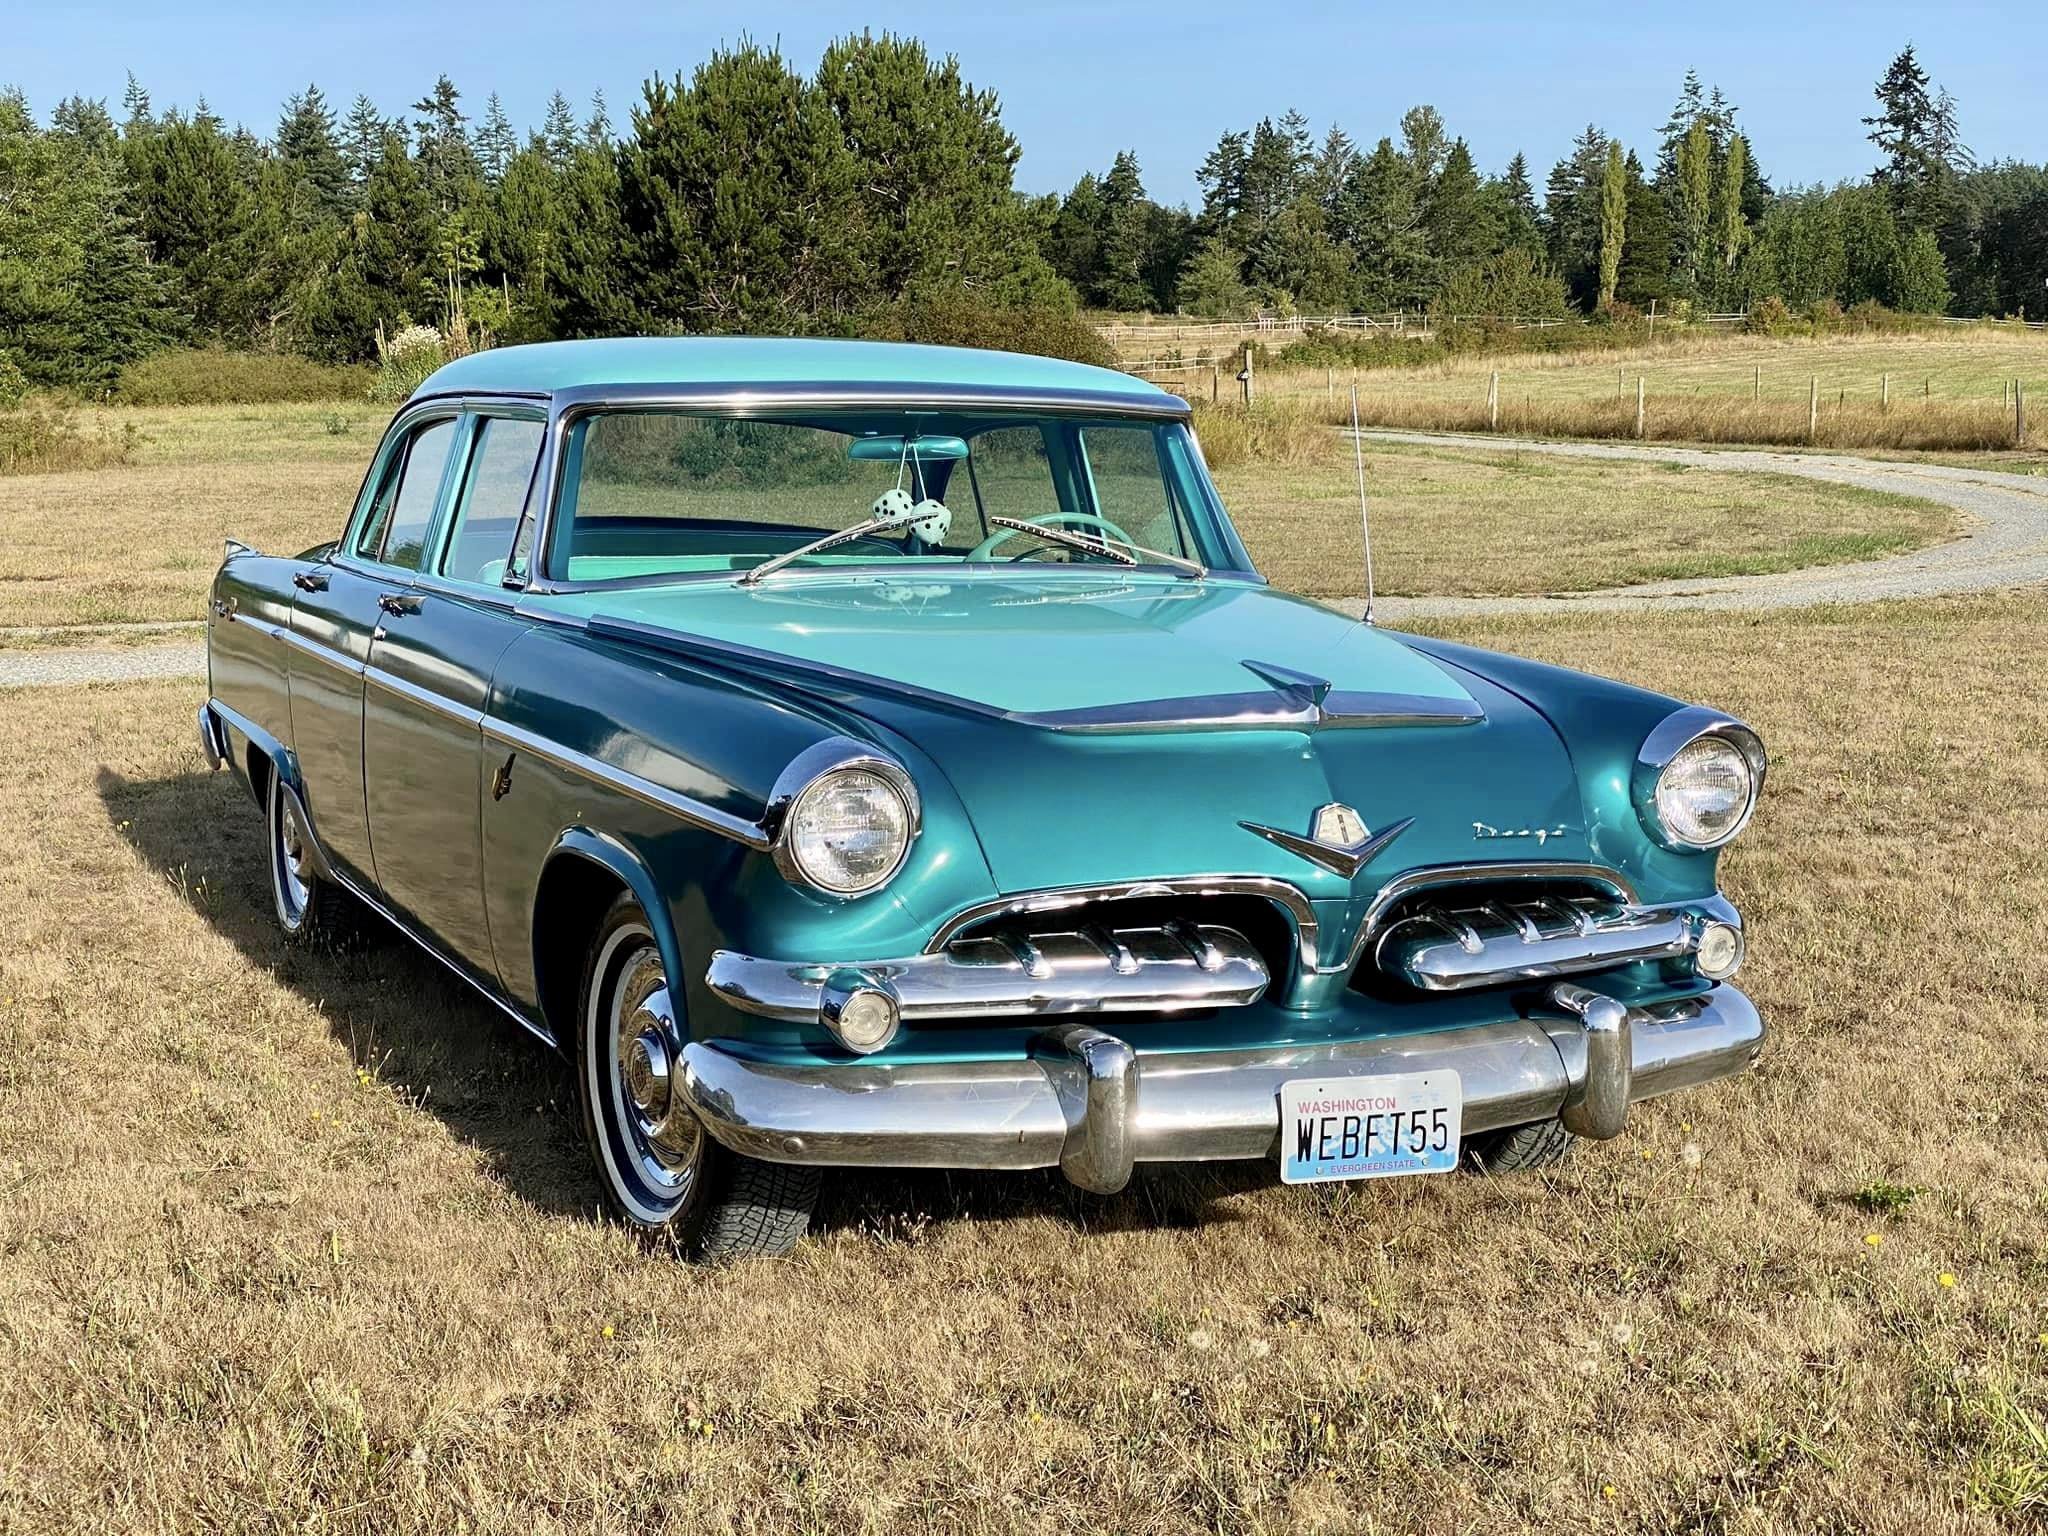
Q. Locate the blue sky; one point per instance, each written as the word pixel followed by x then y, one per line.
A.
pixel 1079 81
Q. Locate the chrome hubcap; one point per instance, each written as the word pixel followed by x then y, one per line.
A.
pixel 667 1140
pixel 294 858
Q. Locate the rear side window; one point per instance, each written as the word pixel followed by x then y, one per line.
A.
pixel 395 533
pixel 492 499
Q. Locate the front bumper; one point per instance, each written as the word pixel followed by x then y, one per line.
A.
pixel 1090 1104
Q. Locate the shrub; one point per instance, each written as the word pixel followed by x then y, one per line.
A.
pixel 1769 317
pixel 406 361
pixel 957 320
pixel 212 376
pixel 13 383
pixel 41 437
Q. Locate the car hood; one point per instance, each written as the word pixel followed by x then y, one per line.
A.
pixel 1108 729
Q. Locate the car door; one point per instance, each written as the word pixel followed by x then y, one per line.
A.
pixel 334 617
pixel 428 681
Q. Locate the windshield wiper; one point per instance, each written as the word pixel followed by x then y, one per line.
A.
pixel 1094 546
pixel 775 563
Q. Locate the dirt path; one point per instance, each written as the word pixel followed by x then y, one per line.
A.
pixel 2006 545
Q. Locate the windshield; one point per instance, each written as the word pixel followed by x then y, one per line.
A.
pixel 650 494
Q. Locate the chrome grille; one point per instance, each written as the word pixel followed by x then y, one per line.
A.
pixel 1100 967
pixel 1454 939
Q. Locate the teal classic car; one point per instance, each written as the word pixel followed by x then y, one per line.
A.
pixel 860 755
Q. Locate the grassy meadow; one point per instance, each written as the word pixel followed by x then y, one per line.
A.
pixel 305 1238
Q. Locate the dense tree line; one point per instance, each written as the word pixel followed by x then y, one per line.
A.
pixel 875 195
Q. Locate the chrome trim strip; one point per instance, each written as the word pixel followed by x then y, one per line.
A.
pixel 1084 975
pixel 692 810
pixel 727 399
pixel 426 698
pixel 1291 899
pixel 1264 710
pixel 305 645
pixel 1047 1109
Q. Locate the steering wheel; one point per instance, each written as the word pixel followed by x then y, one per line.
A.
pixel 1084 520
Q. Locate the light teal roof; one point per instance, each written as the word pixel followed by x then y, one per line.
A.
pixel 548 366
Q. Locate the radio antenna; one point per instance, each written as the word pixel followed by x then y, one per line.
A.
pixel 1364 506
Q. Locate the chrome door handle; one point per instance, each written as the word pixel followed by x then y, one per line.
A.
pixel 224 607
pixel 395 603
pixel 310 581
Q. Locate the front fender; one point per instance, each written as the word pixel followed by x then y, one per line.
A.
pixel 609 853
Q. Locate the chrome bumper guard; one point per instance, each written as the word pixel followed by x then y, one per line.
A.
pixel 1089 968
pixel 1093 1106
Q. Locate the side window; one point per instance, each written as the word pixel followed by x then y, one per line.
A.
pixel 1130 490
pixel 492 497
pixel 395 532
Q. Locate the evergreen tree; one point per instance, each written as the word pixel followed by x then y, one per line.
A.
pixel 1383 204
pixel 1424 141
pixel 362 141
pixel 597 128
pixel 931 166
pixel 1221 178
pixel 1571 208
pixel 1645 275
pixel 1731 228
pixel 135 113
pixel 196 209
pixel 558 132
pixel 1520 225
pixel 448 164
pixel 306 142
pixel 496 143
pixel 1121 248
pixel 737 196
pixel 1455 218
pixel 1613 219
pixel 1212 281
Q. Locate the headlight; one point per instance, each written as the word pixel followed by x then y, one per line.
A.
pixel 1703 771
pixel 847 830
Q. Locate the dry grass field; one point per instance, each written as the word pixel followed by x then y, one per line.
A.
pixel 140 542
pixel 303 1239
pixel 1548 524
pixel 1946 392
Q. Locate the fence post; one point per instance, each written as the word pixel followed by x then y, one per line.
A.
pixel 1493 401
pixel 2019 414
pixel 1884 392
pixel 1640 419
pixel 1215 383
pixel 1813 408
pixel 1247 375
pixel 1756 384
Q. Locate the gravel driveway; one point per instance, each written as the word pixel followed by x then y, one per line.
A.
pixel 2006 545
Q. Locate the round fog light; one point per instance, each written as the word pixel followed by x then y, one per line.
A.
pixel 863 1015
pixel 1720 951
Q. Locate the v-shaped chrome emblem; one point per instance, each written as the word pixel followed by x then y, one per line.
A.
pixel 1347 860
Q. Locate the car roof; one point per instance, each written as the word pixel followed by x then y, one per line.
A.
pixel 545 368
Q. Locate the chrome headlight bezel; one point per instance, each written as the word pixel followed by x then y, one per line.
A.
pixel 813 771
pixel 1661 747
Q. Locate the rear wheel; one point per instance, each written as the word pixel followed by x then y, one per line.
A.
pixel 1519 1148
pixel 307 903
pixel 661 1173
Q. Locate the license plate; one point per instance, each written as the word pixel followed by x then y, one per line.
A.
pixel 1369 1127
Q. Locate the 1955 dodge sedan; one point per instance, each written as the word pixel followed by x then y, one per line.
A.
pixel 865 755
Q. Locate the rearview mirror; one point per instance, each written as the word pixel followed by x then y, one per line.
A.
pixel 931 449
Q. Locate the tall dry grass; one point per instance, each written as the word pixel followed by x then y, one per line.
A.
pixel 1938 425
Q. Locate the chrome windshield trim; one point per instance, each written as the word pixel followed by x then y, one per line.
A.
pixel 1291 899
pixel 690 809
pixel 760 399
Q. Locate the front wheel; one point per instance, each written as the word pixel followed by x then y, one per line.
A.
pixel 1520 1148
pixel 661 1173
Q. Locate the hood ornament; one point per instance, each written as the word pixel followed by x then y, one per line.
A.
pixel 1338 840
